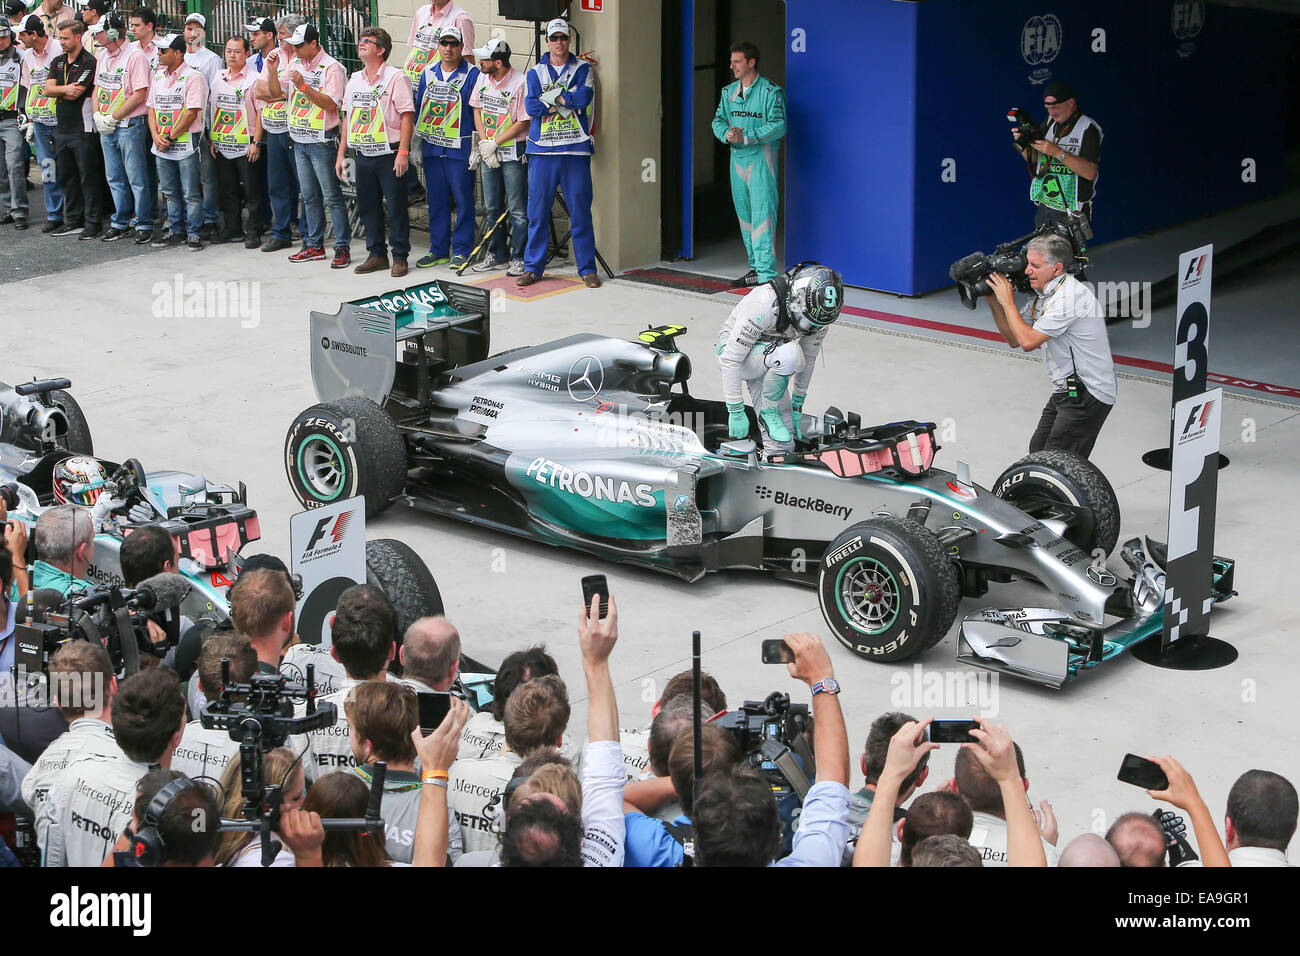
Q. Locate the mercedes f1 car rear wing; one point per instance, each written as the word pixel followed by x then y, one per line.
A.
pixel 395 343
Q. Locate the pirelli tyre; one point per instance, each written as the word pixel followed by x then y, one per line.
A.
pixel 343 448
pixel 887 589
pixel 78 438
pixel 399 572
pixel 1043 478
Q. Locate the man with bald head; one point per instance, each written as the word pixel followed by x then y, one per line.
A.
pixel 1088 849
pixel 430 654
pixel 1137 840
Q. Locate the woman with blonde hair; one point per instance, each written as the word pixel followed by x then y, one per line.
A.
pixel 280 766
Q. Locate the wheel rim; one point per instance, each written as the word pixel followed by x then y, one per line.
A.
pixel 867 595
pixel 321 468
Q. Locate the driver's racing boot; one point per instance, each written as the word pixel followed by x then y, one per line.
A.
pixel 776 426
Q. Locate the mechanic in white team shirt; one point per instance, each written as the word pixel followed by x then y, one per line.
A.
pixel 773 334
pixel 364 640
pixel 204 752
pixel 90 803
pixel 82 682
pixel 485 732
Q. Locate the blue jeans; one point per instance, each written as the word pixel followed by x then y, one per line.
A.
pixel 127 167
pixel 49 178
pixel 573 173
pixel 281 183
pixel 179 179
pixel 320 187
pixel 449 179
pixel 507 186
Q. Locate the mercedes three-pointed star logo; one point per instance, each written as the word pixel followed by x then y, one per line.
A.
pixel 586 378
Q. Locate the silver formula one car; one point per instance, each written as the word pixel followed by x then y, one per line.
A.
pixel 596 443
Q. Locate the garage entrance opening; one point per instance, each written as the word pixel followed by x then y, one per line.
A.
pixel 700 232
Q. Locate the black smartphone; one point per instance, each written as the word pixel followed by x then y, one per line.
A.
pixel 1143 773
pixel 952 731
pixel 777 651
pixel 434 706
pixel 592 585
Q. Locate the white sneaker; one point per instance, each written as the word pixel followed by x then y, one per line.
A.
pixel 516 267
pixel 488 264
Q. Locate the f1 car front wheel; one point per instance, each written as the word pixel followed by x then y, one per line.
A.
pixel 887 590
pixel 343 448
pixel 1058 484
pixel 395 568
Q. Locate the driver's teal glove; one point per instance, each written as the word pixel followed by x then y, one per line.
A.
pixel 737 421
pixel 796 413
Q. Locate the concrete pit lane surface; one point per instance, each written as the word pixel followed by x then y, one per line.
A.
pixel 200 362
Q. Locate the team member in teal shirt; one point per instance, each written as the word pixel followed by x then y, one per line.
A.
pixel 751 119
pixel 65 540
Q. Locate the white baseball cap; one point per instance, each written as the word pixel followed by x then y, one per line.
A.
pixel 493 50
pixel 558 25
pixel 198 18
pixel 453 32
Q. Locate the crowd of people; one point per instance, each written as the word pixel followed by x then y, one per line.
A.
pixel 257 143
pixel 120 765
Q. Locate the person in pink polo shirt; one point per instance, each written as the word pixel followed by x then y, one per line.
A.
pixel 237 144
pixel 176 103
pixel 318 81
pixel 121 89
pixel 426 28
pixel 379 120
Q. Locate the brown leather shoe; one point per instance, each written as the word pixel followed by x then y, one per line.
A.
pixel 399 268
pixel 591 280
pixel 528 278
pixel 372 264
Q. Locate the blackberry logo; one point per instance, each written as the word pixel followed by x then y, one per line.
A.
pixel 788 500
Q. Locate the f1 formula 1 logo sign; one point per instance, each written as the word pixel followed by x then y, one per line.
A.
pixel 1195 270
pixel 1197 421
pixel 1040 42
pixel 335 527
pixel 329 553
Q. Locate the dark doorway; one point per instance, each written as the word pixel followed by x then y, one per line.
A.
pixel 701 224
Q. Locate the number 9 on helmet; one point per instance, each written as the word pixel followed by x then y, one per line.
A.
pixel 815 297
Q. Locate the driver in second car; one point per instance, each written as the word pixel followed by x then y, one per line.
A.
pixel 774 333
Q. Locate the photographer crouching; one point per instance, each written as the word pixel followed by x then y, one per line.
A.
pixel 1066 321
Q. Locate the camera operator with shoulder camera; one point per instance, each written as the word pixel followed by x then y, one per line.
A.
pixel 735 819
pixel 1064 161
pixel 1066 321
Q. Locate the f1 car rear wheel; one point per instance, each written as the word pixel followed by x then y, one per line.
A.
pixel 887 589
pixel 1044 483
pixel 347 447
pixel 399 572
pixel 78 438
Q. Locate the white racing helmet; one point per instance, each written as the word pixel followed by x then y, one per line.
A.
pixel 814 297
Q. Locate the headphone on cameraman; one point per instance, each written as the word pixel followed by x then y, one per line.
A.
pixel 147 844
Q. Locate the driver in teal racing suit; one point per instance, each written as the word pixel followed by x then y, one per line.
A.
pixel 772 335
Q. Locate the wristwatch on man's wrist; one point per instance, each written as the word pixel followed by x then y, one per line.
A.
pixel 827 685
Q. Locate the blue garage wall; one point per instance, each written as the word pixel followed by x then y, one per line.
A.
pixel 850 160
pixel 1179 115
pixel 887 91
